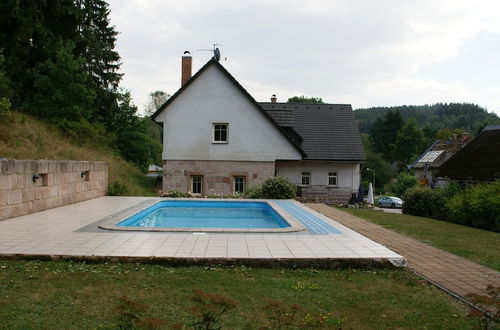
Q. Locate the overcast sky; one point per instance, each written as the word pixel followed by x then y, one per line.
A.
pixel 362 52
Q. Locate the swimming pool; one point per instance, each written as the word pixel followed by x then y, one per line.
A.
pixel 196 215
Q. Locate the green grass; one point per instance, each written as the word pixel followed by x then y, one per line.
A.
pixel 24 137
pixel 70 295
pixel 477 245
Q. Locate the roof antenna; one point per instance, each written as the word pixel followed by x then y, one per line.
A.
pixel 215 50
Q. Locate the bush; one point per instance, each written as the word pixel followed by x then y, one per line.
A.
pixel 477 206
pixel 116 188
pixel 278 188
pixel 424 202
pixel 174 194
pixel 254 192
pixel 404 181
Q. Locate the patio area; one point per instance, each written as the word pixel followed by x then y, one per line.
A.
pixel 72 231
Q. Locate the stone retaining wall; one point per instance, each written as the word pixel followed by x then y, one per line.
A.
pixel 28 186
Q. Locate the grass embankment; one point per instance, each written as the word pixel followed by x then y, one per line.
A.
pixel 477 245
pixel 23 137
pixel 64 294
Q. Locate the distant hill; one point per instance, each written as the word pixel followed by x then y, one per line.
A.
pixel 465 116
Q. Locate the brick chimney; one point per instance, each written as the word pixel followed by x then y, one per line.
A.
pixel 273 98
pixel 187 63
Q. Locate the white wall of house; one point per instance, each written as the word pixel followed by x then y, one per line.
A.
pixel 213 98
pixel 348 174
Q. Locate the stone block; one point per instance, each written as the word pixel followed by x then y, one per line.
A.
pixel 42 166
pixel 50 179
pixel 21 181
pixel 58 178
pixel 79 187
pixel 5 182
pixel 28 195
pixel 68 199
pixel 38 193
pixel 53 166
pixel 40 205
pixel 30 167
pixel 66 177
pixel 45 192
pixel 65 166
pixel 31 207
pixel 53 191
pixel 14 197
pixel 57 201
pixel 3 198
pixel 80 196
pixel 3 164
pixel 5 212
pixel 18 210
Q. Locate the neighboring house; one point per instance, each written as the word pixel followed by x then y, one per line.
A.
pixel 154 171
pixel 218 139
pixel 427 166
pixel 478 161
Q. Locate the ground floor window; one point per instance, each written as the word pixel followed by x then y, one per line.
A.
pixel 306 178
pixel 196 184
pixel 239 184
pixel 332 179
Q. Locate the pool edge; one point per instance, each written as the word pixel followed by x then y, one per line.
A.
pixel 295 225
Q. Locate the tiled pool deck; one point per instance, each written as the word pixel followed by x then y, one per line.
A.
pixel 71 231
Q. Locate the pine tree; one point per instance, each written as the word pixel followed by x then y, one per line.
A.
pixel 102 61
pixel 59 88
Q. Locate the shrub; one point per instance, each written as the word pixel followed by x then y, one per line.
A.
pixel 116 188
pixel 423 202
pixel 174 194
pixel 228 196
pixel 278 188
pixel 477 206
pixel 404 181
pixel 4 105
pixel 254 192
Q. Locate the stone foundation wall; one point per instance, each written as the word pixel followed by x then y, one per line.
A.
pixel 325 194
pixel 28 186
pixel 217 175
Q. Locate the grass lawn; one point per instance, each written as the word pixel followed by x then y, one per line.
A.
pixel 477 245
pixel 70 295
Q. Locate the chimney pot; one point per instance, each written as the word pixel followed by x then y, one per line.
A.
pixel 186 67
pixel 273 98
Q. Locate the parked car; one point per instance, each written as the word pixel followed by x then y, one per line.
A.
pixel 390 201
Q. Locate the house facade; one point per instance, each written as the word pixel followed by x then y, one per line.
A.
pixel 219 140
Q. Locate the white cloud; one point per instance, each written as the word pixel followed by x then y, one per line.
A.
pixel 362 52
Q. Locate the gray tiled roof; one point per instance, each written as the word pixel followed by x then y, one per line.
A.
pixel 329 131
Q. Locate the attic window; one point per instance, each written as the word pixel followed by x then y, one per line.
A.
pixel 220 132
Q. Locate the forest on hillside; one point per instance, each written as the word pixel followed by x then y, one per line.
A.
pixel 58 63
pixel 467 117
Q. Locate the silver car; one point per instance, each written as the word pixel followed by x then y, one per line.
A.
pixel 390 201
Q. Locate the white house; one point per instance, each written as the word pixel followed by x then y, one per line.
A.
pixel 218 139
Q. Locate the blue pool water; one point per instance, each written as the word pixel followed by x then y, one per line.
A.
pixel 206 214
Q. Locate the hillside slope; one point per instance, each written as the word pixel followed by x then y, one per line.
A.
pixel 23 137
pixel 468 117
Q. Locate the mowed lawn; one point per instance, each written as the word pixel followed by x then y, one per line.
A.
pixel 76 295
pixel 477 245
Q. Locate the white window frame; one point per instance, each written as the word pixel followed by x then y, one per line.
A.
pixel 244 183
pixel 332 176
pixel 302 176
pixel 213 133
pixel 192 184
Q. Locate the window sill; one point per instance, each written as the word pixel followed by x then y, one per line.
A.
pixel 219 142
